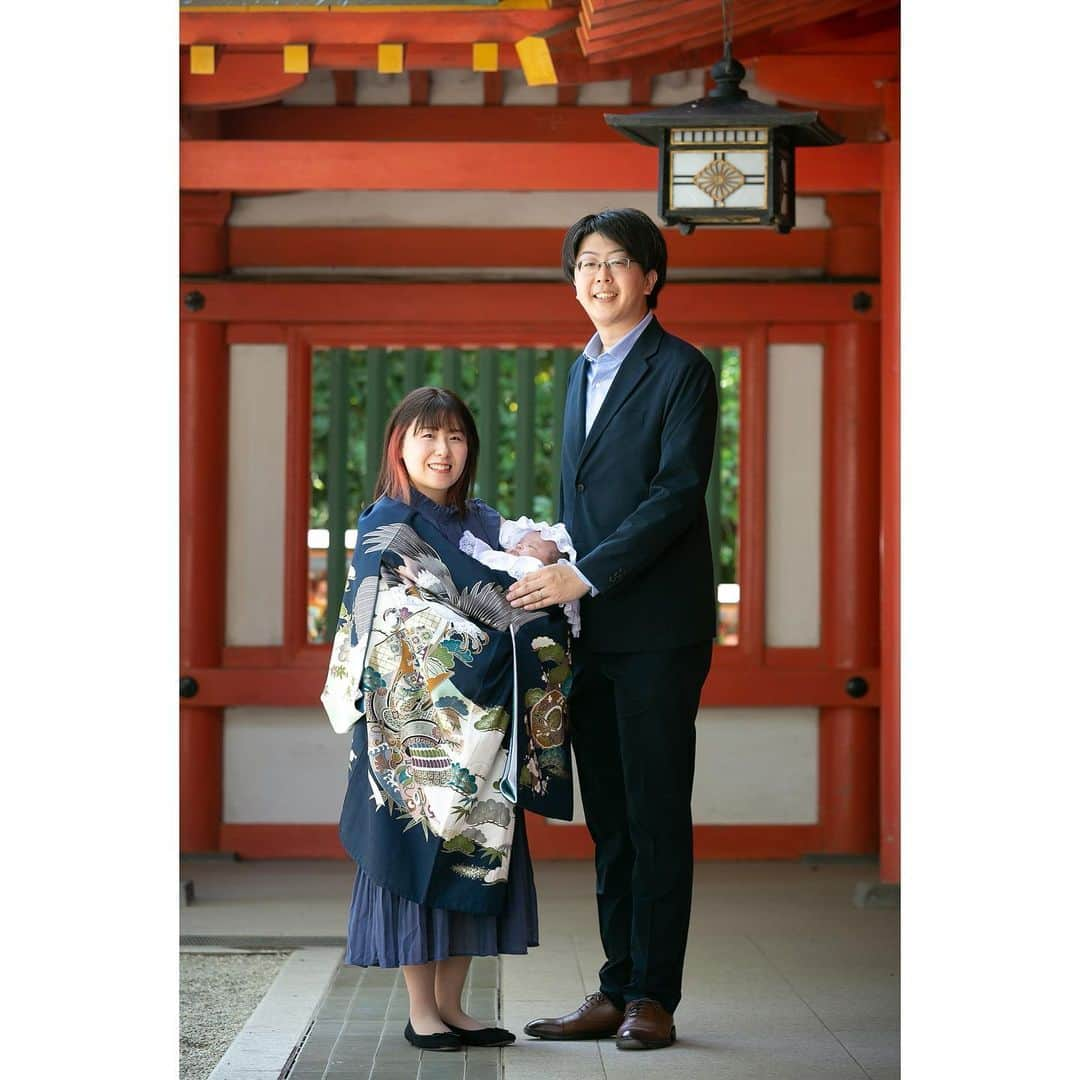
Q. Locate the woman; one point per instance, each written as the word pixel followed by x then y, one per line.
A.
pixel 463 706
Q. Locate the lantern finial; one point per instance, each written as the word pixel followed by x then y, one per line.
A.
pixel 727 73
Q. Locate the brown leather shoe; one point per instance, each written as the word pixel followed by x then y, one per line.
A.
pixel 595 1018
pixel 646 1025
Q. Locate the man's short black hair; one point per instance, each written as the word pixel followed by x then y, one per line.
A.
pixel 635 232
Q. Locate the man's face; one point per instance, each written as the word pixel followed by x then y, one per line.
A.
pixel 614 299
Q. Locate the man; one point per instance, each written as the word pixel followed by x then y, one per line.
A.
pixel 637 449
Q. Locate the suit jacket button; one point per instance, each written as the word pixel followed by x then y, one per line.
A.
pixel 581 487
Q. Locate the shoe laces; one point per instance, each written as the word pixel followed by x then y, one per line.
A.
pixel 597 998
pixel 636 1006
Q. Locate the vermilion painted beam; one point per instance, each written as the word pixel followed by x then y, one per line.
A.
pixel 483 248
pixel 474 166
pixel 219 687
pixel 436 123
pixel 418 56
pixel 468 308
pixel 344 28
pixel 841 80
pixel 238 79
pixel 546 841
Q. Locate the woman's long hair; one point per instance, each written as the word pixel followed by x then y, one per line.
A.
pixel 427 407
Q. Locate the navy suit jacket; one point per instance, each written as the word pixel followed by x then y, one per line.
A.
pixel 632 496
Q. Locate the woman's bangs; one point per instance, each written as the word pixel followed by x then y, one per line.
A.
pixel 436 414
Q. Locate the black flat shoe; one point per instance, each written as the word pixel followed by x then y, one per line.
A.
pixel 441 1040
pixel 492 1036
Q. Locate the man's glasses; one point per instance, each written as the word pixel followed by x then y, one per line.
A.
pixel 590 266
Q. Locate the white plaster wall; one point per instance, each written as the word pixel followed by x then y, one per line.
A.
pixel 285 766
pixel 793 497
pixel 316 89
pixel 255 544
pixel 458 209
pixel 456 86
pixel 753 767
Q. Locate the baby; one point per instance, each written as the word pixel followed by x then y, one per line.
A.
pixel 526 546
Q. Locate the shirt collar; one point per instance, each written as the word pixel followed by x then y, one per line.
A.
pixel 618 352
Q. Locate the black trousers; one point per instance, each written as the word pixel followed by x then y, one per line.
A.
pixel 632 728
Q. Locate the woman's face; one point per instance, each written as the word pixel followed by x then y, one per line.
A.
pixel 434 459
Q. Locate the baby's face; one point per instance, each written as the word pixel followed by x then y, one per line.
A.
pixel 532 543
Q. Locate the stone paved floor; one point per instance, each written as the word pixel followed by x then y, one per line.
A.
pixel 358 1030
pixel 785 978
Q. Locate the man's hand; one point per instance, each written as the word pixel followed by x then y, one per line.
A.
pixel 552 585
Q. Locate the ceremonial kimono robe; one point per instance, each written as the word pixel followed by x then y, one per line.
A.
pixel 456 703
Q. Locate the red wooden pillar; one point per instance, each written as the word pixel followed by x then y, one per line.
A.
pixel 848 741
pixel 204 397
pixel 890 490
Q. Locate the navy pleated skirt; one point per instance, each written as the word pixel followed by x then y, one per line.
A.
pixel 386 930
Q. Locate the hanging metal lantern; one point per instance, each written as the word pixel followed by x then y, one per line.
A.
pixel 726 159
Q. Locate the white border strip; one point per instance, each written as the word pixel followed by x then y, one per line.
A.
pixel 265 1042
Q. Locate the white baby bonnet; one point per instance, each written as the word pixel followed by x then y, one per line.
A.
pixel 510 532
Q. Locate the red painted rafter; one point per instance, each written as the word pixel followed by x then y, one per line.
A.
pixel 279 165
pixel 345 28
pixel 701 30
pixel 344 87
pixel 419 88
pixel 645 17
pixel 778 17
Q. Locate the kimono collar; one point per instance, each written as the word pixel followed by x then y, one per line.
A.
pixel 436 510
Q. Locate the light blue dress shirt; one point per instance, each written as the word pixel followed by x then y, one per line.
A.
pixel 602 365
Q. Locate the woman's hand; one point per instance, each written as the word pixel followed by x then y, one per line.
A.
pixel 551 585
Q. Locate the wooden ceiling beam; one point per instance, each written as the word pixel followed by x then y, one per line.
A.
pixel 451 123
pixel 344 87
pixel 650 17
pixel 239 79
pixel 493 88
pixel 371 28
pixel 277 165
pixel 419 88
pixel 606 18
pixel 638 44
pixel 421 57
pixel 529 248
pixel 502 310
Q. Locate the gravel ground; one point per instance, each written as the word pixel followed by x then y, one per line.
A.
pixel 219 990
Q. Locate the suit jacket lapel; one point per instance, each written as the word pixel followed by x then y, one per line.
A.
pixel 630 373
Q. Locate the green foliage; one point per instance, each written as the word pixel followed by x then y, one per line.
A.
pixel 361 474
pixel 432 367
pixel 727 437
